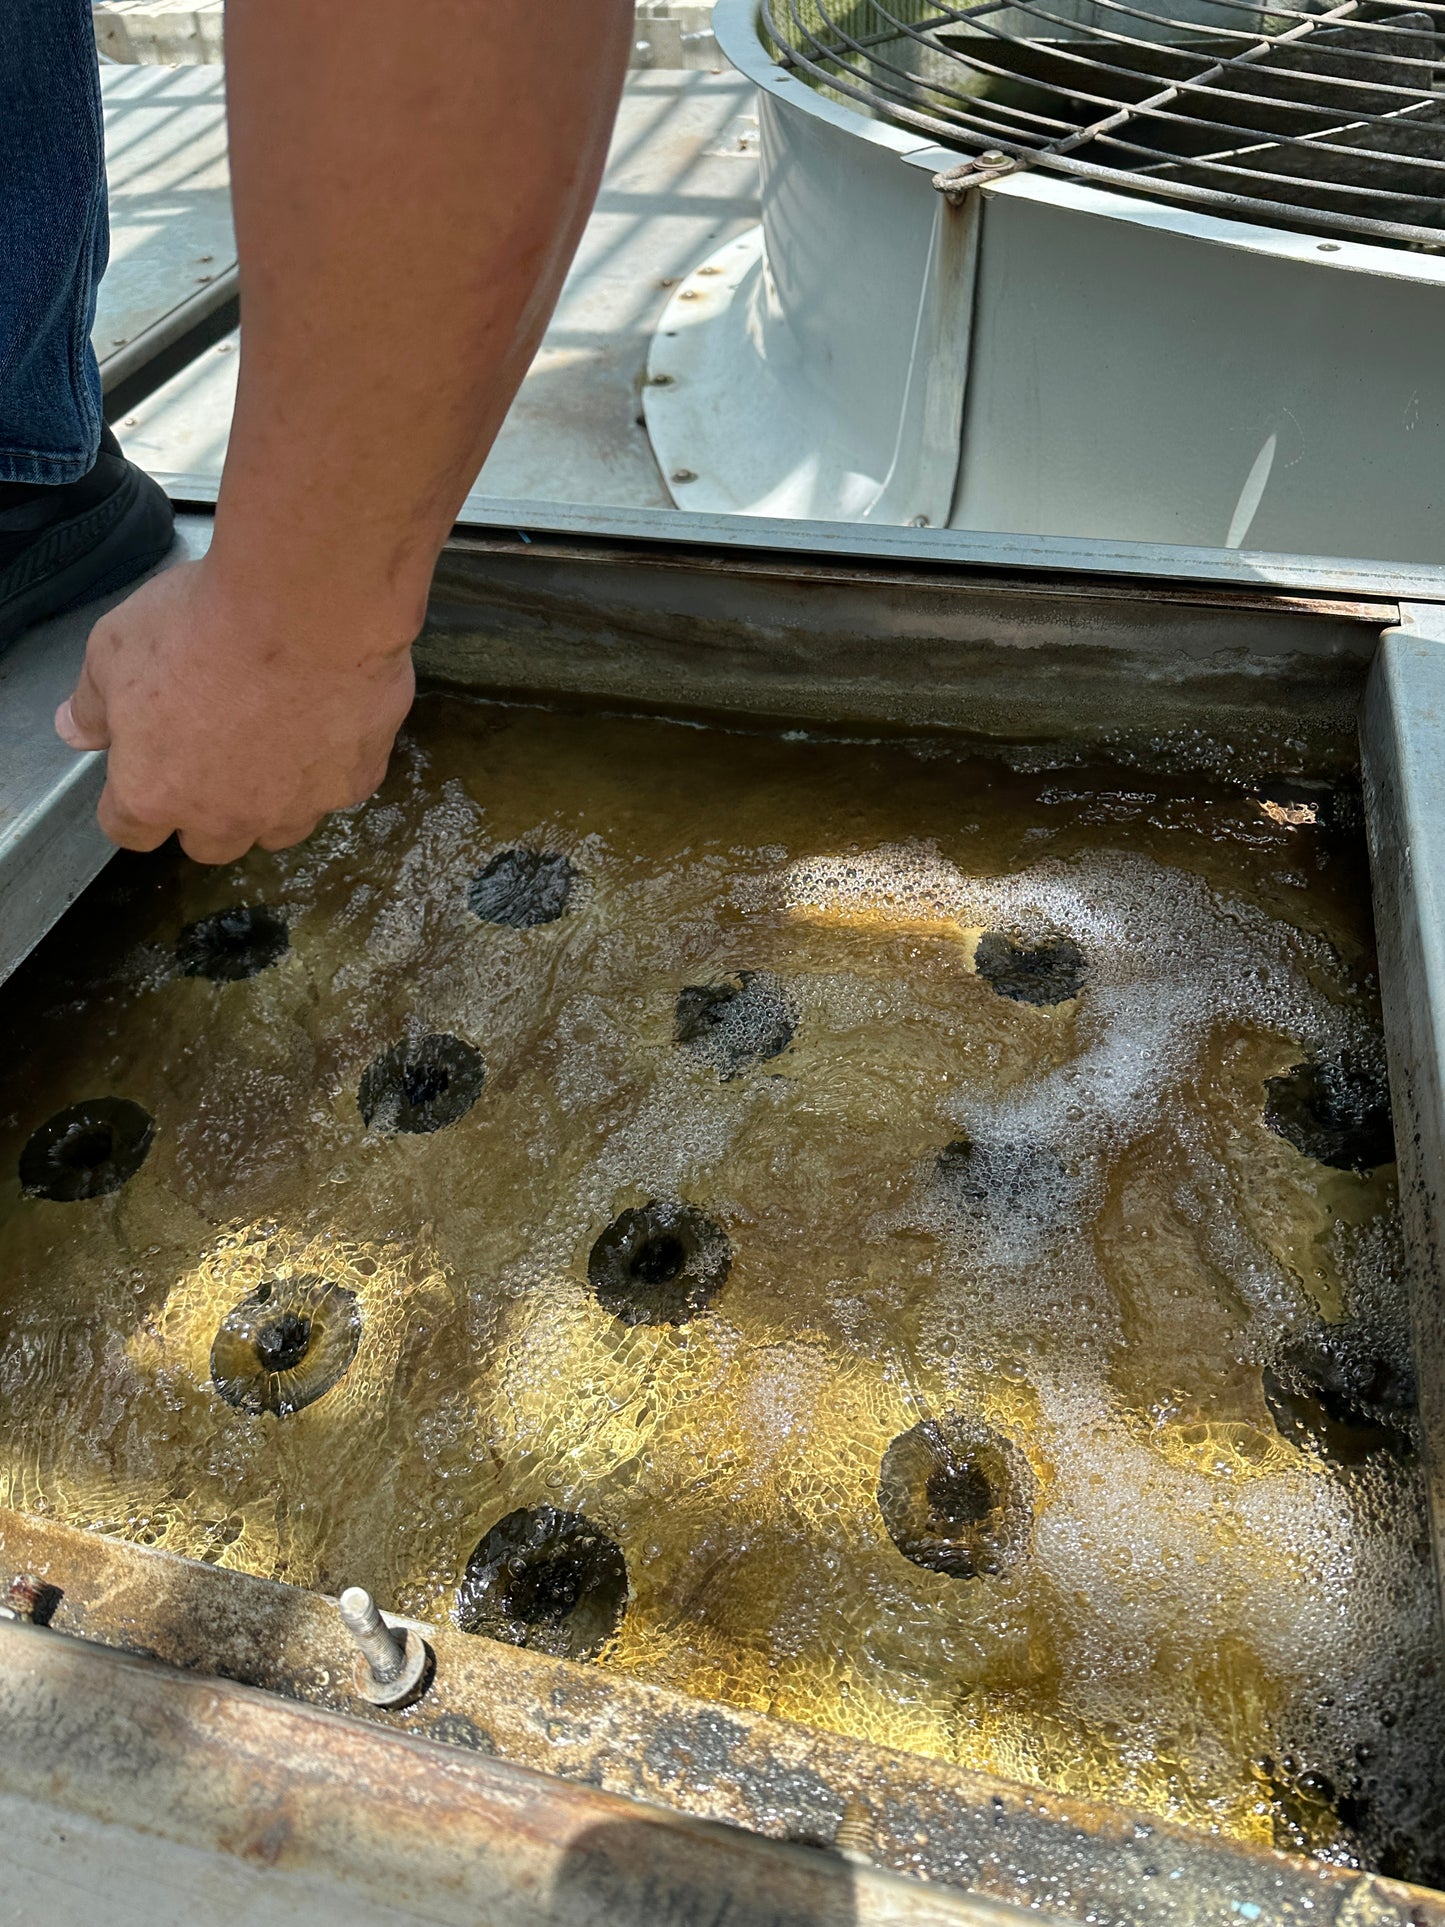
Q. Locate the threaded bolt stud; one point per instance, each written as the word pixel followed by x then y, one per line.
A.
pixel 394 1666
pixel 380 1646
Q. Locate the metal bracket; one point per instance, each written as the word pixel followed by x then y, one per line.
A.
pixel 958 182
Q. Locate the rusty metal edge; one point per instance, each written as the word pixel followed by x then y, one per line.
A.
pixel 593 1728
pixel 299 1815
pixel 924 572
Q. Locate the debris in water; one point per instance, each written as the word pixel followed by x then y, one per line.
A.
pixel 233 944
pixel 1050 973
pixel 1335 1110
pixel 522 888
pixel 1335 808
pixel 550 1580
pixel 286 1343
pixel 1330 1394
pixel 87 1150
pixel 660 1263
pixel 421 1086
pixel 956 1497
pixel 1007 1177
pixel 733 1026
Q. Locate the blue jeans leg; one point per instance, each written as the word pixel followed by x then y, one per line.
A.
pixel 54 239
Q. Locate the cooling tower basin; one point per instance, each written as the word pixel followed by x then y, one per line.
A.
pixel 803 1209
pixel 1116 338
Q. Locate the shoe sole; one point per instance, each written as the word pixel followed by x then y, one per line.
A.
pixel 132 530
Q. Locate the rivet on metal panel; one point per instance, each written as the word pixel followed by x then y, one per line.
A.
pixel 684 475
pixel 659 381
pixel 690 294
pixel 1329 247
pixel 393 1668
pixel 919 522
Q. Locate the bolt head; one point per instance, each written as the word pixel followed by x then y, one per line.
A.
pixel 684 475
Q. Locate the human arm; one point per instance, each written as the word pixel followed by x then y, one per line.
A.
pixel 407 201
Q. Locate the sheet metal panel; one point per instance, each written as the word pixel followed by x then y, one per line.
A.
pixel 139 1795
pixel 172 244
pixel 50 843
pixel 1403 758
pixel 680 180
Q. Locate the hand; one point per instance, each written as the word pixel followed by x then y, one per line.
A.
pixel 235 715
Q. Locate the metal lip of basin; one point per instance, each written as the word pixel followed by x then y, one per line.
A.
pixel 536 1787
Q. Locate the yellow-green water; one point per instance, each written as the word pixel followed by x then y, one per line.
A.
pixel 1202 1612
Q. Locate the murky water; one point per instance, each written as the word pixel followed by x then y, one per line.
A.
pixel 845 1230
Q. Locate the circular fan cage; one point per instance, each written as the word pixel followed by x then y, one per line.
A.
pixel 1325 118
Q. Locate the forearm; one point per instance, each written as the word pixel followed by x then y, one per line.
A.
pixel 407 200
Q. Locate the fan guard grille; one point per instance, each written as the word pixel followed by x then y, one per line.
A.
pixel 1326 119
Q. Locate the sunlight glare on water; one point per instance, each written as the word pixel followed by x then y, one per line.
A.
pixel 879 1193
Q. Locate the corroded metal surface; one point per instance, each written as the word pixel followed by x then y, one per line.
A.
pixel 601 1731
pixel 1008 658
pixel 333 1822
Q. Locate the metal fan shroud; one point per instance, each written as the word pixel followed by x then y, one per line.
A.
pixel 1325 117
pixel 1039 353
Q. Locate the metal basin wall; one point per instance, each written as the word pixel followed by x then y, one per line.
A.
pixel 1017 656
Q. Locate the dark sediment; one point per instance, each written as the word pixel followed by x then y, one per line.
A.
pixel 956 1497
pixel 233 944
pixel 1019 1178
pixel 1331 1394
pixel 1050 973
pixel 549 1580
pixel 286 1343
pixel 1335 1110
pixel 660 1263
pixel 422 1086
pixel 522 888
pixel 1307 1810
pixel 87 1150
pixel 735 1025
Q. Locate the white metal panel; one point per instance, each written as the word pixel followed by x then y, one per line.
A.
pixel 1202 381
pixel 838 211
pixel 780 372
pixel 1135 372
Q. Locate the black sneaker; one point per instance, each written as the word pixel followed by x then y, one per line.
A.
pixel 64 544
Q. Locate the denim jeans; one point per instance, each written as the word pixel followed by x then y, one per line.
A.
pixel 54 239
